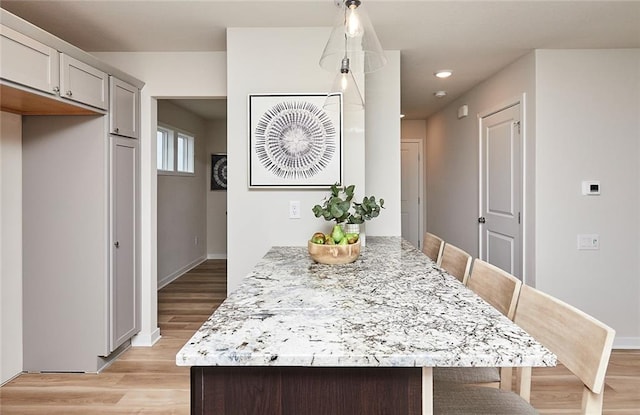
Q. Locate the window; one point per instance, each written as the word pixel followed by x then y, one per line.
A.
pixel 165 149
pixel 185 153
pixel 175 151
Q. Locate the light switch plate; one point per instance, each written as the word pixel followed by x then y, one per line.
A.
pixel 588 241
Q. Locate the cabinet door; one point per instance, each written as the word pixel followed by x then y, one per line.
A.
pixel 124 320
pixel 28 62
pixel 83 83
pixel 123 109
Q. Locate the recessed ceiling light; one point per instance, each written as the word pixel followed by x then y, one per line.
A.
pixel 444 73
pixel 440 94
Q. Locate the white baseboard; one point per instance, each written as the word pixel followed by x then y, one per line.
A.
pixel 146 339
pixel 164 281
pixel 626 343
pixel 10 378
pixel 216 256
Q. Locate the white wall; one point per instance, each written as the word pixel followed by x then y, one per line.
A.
pixel 10 246
pixel 182 220
pixel 286 60
pixel 452 159
pixel 167 75
pixel 382 143
pixel 217 199
pixel 588 112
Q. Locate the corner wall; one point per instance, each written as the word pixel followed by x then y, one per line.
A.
pixel 11 360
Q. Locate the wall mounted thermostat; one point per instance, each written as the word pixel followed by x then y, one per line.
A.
pixel 590 187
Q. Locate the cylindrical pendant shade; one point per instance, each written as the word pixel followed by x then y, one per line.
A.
pixel 362 47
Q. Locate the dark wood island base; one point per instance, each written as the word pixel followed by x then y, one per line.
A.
pixel 272 390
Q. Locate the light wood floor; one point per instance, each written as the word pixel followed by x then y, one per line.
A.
pixel 147 381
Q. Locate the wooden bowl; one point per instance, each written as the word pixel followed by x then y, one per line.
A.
pixel 334 254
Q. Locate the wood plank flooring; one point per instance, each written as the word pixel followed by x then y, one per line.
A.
pixel 147 381
pixel 144 380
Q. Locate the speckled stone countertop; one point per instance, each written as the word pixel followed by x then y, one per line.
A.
pixel 392 307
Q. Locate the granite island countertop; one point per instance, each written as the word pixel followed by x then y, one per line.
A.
pixel 393 307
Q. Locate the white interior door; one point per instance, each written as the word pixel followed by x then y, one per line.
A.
pixel 501 194
pixel 411 188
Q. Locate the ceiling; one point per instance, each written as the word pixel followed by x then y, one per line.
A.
pixel 473 38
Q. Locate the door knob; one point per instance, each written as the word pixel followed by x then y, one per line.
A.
pixel 481 219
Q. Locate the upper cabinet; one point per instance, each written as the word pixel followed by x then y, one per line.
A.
pixel 83 83
pixel 28 62
pixel 124 109
pixel 42 74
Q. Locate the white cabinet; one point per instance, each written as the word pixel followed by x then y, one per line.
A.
pixel 124 107
pixel 28 62
pixel 83 83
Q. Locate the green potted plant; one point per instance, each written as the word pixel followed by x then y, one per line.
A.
pixel 340 208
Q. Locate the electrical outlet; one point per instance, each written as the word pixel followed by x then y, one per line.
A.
pixel 294 209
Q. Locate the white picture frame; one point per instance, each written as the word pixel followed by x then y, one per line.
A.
pixel 294 142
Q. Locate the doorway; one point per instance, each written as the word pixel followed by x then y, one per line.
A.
pixel 501 189
pixel 191 217
pixel 411 190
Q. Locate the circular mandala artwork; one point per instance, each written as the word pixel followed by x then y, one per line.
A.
pixel 295 140
pixel 219 172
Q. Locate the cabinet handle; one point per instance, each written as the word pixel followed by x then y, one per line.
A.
pixel 69 93
pixel 56 89
pixel 117 130
pixel 116 244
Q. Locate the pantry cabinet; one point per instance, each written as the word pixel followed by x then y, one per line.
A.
pixel 123 284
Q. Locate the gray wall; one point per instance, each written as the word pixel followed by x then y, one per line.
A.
pixel 588 127
pixel 182 202
pixel 452 159
pixel 582 121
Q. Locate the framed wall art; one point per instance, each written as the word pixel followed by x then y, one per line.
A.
pixel 219 171
pixel 293 141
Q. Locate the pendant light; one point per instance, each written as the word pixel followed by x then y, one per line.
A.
pixel 344 85
pixel 353 37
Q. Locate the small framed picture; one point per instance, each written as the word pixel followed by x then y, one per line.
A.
pixel 219 171
pixel 294 142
